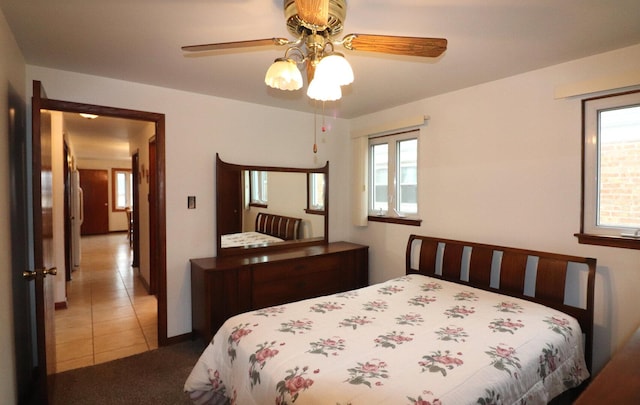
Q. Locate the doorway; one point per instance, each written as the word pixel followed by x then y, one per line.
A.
pixel 158 250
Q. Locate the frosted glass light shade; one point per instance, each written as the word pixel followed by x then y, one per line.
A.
pixel 323 90
pixel 283 74
pixel 336 68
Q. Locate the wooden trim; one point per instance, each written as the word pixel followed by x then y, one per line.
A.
pixel 60 305
pixel 144 282
pixel 314 212
pixel 608 240
pixel 233 166
pixel 395 220
pixel 162 229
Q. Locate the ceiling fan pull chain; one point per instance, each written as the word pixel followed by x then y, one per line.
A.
pixel 315 126
pixel 324 127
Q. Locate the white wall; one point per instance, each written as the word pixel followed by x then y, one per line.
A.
pixel 197 127
pixel 12 74
pixel 500 163
pixel 140 144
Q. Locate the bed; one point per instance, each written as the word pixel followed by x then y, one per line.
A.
pixel 269 228
pixel 468 323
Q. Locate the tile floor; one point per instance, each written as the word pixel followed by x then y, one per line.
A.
pixel 109 313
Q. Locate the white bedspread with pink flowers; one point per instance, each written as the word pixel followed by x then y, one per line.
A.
pixel 247 239
pixel 410 340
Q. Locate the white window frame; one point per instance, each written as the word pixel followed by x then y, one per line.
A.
pixel 591 143
pixel 393 176
pixel 116 174
pixel 316 192
pixel 259 184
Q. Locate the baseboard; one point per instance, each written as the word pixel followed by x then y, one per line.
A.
pixel 60 305
pixel 179 338
pixel 144 282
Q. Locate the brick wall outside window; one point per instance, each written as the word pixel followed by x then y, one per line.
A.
pixel 620 183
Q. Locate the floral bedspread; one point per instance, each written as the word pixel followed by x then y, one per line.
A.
pixel 246 239
pixel 410 340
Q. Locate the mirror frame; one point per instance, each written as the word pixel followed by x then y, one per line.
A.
pixel 225 170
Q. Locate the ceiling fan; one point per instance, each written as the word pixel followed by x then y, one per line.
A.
pixel 315 24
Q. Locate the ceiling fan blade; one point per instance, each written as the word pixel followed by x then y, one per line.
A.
pixel 237 44
pixel 412 46
pixel 314 12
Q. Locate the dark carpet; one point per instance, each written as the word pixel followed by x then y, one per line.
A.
pixel 154 377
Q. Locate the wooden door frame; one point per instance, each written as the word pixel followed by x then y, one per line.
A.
pixel 135 201
pixel 159 120
pixel 154 241
pixel 67 217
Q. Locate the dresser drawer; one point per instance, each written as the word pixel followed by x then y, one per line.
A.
pixel 281 271
pixel 278 283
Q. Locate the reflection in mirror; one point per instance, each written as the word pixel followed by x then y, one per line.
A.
pixel 281 193
pixel 256 186
pixel 316 187
pixel 270 207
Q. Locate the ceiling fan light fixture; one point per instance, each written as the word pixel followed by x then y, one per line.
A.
pixel 284 74
pixel 336 68
pixel 323 90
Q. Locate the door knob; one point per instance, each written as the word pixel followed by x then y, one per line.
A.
pixel 52 271
pixel 29 274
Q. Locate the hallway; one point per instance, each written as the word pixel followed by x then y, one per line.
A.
pixel 109 313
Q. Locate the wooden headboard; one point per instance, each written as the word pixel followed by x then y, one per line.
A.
pixel 287 228
pixel 527 274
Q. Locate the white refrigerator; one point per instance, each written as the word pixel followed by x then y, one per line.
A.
pixel 77 215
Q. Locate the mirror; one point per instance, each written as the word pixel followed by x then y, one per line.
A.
pixel 268 208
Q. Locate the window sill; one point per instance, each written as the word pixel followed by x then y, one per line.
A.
pixel 606 240
pixel 315 212
pixel 395 220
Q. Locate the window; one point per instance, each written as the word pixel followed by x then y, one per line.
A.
pixel 121 189
pixel 315 198
pixel 393 176
pixel 258 183
pixel 611 170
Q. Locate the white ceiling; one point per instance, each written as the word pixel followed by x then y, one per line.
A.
pixel 140 40
pixel 103 138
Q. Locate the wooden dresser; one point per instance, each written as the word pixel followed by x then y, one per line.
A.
pixel 619 380
pixel 225 286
